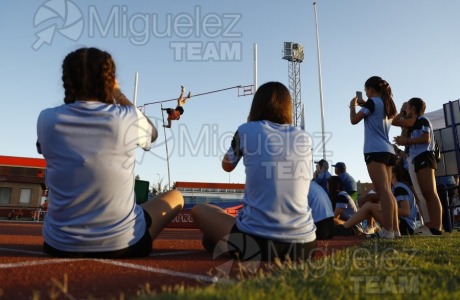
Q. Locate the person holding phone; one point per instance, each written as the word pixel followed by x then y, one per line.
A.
pixel 377 113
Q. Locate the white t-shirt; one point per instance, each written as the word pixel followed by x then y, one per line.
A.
pixel 277 159
pixel 89 147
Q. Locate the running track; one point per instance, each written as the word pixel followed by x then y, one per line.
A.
pixel 177 259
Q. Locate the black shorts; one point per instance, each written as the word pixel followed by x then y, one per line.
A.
pixel 141 249
pixel 425 160
pixel 325 229
pixel 245 246
pixel 386 158
pixel 404 228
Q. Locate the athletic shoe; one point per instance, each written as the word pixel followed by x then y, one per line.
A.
pixel 382 234
pixel 369 230
pixel 358 229
pixel 425 231
pixel 434 231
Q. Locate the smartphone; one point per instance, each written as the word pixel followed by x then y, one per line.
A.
pixel 359 95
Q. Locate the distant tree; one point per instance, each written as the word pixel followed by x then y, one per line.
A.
pixel 138 177
pixel 158 187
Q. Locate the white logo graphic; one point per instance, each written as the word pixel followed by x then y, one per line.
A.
pixel 70 26
pixel 239 243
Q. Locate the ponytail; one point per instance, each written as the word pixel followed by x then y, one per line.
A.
pixel 382 87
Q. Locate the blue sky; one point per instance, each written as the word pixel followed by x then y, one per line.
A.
pixel 208 45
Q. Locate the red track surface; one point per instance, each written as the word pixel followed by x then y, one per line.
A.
pixel 178 258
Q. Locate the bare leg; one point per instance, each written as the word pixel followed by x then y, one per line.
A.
pixel 369 209
pixel 169 124
pixel 162 209
pixel 395 212
pixel 421 201
pixel 427 183
pixel 213 221
pixel 379 176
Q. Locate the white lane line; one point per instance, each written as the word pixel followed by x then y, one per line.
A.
pixel 160 271
pixel 35 263
pixel 117 263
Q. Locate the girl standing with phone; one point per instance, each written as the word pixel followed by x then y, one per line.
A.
pixel 377 113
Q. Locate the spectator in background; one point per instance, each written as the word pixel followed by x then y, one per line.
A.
pixel 321 174
pixel 321 209
pixel 407 211
pixel 344 206
pixel 421 147
pixel 349 183
pixel 404 113
pixel 44 205
pixel 447 194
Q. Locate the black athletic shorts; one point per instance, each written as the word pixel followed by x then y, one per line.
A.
pixel 404 228
pixel 325 229
pixel 245 246
pixel 386 158
pixel 425 160
pixel 141 249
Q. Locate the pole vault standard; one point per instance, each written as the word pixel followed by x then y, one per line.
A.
pixel 320 83
pixel 166 145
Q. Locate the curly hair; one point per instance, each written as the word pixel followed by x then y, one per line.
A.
pixel 381 86
pixel 88 73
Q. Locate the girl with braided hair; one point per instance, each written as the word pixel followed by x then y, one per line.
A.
pixel 89 145
pixel 377 113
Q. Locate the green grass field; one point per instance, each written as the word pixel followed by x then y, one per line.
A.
pixel 406 268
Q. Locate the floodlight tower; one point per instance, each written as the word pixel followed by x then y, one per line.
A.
pixel 293 53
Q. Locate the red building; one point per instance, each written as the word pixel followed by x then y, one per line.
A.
pixel 226 195
pixel 22 183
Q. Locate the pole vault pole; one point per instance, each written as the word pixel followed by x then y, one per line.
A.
pixel 320 83
pixel 166 145
pixel 255 68
pixel 136 79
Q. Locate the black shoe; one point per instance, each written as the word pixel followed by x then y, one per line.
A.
pixel 434 231
pixel 341 230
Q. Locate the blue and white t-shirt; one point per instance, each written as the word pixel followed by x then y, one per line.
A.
pixel 376 127
pixel 277 160
pixel 89 148
pixel 403 193
pixel 420 127
pixel 345 202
